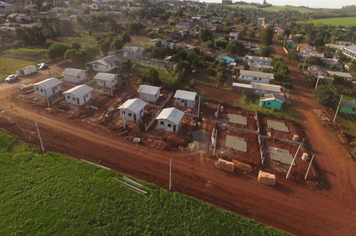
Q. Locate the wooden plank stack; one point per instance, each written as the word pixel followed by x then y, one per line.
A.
pixel 266 178
pixel 225 165
pixel 242 166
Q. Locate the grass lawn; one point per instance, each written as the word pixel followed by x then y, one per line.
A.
pixel 348 125
pixel 349 97
pixel 344 21
pixel 82 39
pixel 242 6
pixel 50 194
pixel 9 65
pixel 300 9
pixel 288 111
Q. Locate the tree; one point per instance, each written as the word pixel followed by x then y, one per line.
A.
pixel 266 36
pixel 266 51
pixel 210 44
pixel 313 60
pixel 352 68
pixel 158 44
pixel 292 54
pixel 76 45
pixel 205 34
pixel 104 47
pixel 152 78
pixel 117 44
pixel 324 95
pixel 57 50
pixel 125 37
pixel 275 59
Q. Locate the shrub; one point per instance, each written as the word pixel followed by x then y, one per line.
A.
pixel 274 109
pixel 287 85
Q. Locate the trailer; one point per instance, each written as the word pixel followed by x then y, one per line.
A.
pixel 26 71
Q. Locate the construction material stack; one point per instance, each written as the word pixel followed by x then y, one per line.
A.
pixel 266 178
pixel 242 166
pixel 225 165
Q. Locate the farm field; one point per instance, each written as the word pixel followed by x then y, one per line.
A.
pixel 344 21
pixel 52 194
pixel 279 8
pixel 82 39
pixel 9 66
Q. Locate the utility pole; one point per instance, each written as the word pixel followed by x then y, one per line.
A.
pixel 306 174
pixel 291 164
pixel 170 174
pixel 338 107
pixel 317 81
pixel 305 59
pixel 123 109
pixel 39 135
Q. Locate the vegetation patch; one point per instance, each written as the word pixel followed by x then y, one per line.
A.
pixel 53 194
pixel 344 21
pixel 26 54
pixel 82 39
pixel 9 65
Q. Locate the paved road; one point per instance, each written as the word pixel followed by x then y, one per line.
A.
pixel 332 158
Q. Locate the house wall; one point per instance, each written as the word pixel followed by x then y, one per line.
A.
pixel 75 78
pixel 129 115
pixel 106 83
pixel 78 101
pixel 49 92
pixel 182 102
pixel 349 110
pixel 270 104
pixel 150 97
pixel 254 79
pixel 104 68
pixel 265 63
pixel 166 125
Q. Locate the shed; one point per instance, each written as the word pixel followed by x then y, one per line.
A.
pixel 74 75
pixel 132 109
pixel 106 80
pixel 170 119
pixel 48 87
pixel 185 98
pixel 78 95
pixel 348 107
pixel 149 93
pixel 270 100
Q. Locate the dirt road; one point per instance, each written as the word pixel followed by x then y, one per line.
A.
pixel 287 206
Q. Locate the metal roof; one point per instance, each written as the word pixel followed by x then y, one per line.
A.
pixel 266 87
pixel 351 47
pixel 348 104
pixel 187 95
pixel 105 76
pixel 241 85
pixel 79 90
pixel 148 89
pixel 48 83
pixel 72 71
pixel 171 114
pixel 272 96
pixel 108 60
pixel 256 65
pixel 340 74
pixel 257 74
pixel 259 58
pixel 135 105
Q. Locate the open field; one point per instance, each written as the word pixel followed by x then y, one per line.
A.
pixel 279 8
pixel 82 39
pixel 9 65
pixel 53 194
pixel 344 21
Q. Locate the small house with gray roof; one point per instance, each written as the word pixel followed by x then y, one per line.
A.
pixel 106 64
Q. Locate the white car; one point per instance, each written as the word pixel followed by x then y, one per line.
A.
pixel 11 78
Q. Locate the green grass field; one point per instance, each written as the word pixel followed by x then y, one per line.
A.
pixel 280 8
pixel 82 39
pixel 49 194
pixel 9 65
pixel 344 21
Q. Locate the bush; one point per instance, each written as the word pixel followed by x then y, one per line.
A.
pixel 288 85
pixel 274 109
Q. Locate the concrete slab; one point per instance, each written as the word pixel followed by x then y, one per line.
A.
pixel 237 119
pixel 280 126
pixel 281 155
pixel 236 143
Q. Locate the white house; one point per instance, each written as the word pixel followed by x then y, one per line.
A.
pixel 234 35
pixel 266 61
pixel 350 52
pixel 133 52
pixel 74 75
pixel 258 67
pixel 106 80
pixel 346 76
pixel 256 76
pixel 106 64
pixel 170 119
pixel 185 98
pixel 78 95
pixel 48 87
pixel 149 93
pixel 132 109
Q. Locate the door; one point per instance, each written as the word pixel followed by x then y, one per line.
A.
pixel 174 128
pixel 78 101
pixel 134 117
pixel 104 83
pixel 53 91
pixel 84 99
pixel 185 102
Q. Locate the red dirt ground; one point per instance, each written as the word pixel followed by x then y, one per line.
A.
pixel 288 206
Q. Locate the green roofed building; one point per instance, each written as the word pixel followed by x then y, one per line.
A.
pixel 348 107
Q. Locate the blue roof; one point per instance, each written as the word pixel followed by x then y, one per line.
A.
pixel 352 48
pixel 227 59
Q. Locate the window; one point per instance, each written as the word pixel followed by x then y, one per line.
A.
pixel 169 125
pixel 41 90
pixel 73 98
pixel 268 103
pixel 129 114
pixel 123 112
pixel 260 78
pixel 254 78
pixel 95 66
pixel 36 89
pixel 87 95
pixel 161 122
pixel 68 96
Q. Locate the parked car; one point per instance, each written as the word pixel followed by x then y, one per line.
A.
pixel 42 66
pixel 11 78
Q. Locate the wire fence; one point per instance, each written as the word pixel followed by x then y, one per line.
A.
pixel 151 64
